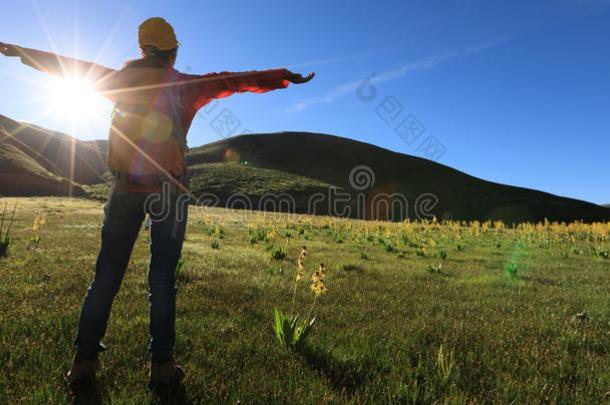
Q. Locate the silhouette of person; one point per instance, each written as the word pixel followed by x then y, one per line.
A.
pixel 154 105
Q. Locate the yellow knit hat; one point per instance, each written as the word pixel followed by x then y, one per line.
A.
pixel 157 32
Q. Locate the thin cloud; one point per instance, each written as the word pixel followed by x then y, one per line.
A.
pixel 389 75
pixel 330 60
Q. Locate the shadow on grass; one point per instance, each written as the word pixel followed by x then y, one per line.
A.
pixel 92 393
pixel 346 376
pixel 176 395
pixel 352 268
pixel 96 393
pixel 541 281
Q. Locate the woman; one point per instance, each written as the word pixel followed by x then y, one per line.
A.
pixel 154 107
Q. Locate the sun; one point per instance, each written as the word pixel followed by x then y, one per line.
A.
pixel 74 99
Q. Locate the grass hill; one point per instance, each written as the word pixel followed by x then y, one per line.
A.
pixel 297 164
pixel 330 159
pixel 22 175
pixel 53 151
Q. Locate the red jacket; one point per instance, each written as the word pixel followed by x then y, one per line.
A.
pixel 154 106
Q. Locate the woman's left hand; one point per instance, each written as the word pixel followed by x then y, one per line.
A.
pixel 298 78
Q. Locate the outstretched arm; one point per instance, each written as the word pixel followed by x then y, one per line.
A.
pixel 219 85
pixel 57 65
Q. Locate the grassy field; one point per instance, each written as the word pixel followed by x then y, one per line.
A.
pixel 414 313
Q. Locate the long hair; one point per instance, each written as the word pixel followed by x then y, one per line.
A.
pixel 153 57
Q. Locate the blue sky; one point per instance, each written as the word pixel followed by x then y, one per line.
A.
pixel 515 92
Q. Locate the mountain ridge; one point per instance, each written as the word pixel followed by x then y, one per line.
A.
pixel 303 164
pixel 192 150
pixel 330 158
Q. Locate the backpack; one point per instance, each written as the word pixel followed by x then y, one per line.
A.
pixel 147 133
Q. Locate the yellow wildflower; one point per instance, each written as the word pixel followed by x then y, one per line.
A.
pixel 301 264
pixel 38 222
pixel 272 234
pixel 317 281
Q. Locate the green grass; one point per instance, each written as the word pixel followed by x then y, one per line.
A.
pixel 505 336
pixel 240 178
pixel 226 179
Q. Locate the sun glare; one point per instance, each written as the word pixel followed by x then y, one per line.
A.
pixel 75 100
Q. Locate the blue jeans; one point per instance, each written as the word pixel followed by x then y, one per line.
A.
pixel 124 213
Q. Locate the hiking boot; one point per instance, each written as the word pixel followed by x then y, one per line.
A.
pixel 81 375
pixel 165 375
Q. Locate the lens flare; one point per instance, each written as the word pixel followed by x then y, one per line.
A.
pixel 74 99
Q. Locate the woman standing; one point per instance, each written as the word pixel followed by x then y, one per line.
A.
pixel 154 105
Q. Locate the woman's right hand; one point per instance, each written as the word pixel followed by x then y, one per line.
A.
pixel 9 49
